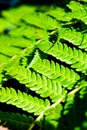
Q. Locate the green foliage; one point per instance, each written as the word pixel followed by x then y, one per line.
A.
pixel 16 121
pixel 43 67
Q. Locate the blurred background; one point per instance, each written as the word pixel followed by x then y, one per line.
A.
pixel 17 2
pixel 5 4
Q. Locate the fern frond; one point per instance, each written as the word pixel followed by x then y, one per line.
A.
pixel 44 45
pixel 15 49
pixel 40 84
pixel 80 9
pixel 18 42
pixel 76 38
pixel 69 55
pixel 14 16
pixel 29 32
pixel 45 67
pixel 59 14
pixel 7 49
pixel 41 20
pixel 10 51
pixel 76 8
pixel 15 120
pixel 52 70
pixel 46 54
pixel 23 101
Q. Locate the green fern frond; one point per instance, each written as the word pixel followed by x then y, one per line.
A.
pixel 14 17
pixel 29 32
pixel 59 14
pixel 52 70
pixel 80 9
pixel 76 8
pixel 73 37
pixel 76 38
pixel 16 42
pixel 15 120
pixel 10 51
pixel 69 55
pixel 44 45
pixel 23 101
pixel 15 49
pixel 45 67
pixel 41 20
pixel 44 53
pixel 40 84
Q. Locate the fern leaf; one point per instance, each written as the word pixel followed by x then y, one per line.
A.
pixel 10 51
pixel 7 49
pixel 29 32
pixel 33 52
pixel 84 42
pixel 45 45
pixel 50 70
pixel 59 14
pixel 15 120
pixel 25 76
pixel 73 36
pixel 70 56
pixel 41 20
pixel 40 84
pixel 53 70
pixel 23 101
pixel 76 38
pixel 14 16
pixel 80 9
pixel 16 42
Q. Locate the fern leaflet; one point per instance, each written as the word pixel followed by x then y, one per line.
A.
pixel 76 38
pixel 23 101
pixel 16 120
pixel 41 20
pixel 70 56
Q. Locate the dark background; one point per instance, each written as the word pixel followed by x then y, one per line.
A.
pixel 5 4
